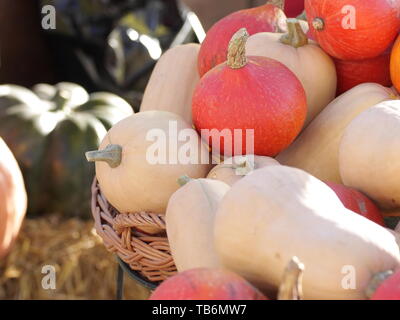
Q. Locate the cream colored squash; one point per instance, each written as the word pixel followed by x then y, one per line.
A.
pixel 280 212
pixel 235 168
pixel 190 223
pixel 316 149
pixel 312 66
pixel 136 169
pixel 369 154
pixel 173 81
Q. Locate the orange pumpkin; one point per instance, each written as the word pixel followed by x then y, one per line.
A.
pixel 395 64
pixel 13 199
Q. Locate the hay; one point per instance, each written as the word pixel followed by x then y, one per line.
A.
pixel 84 269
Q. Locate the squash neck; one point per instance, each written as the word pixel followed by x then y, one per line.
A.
pixel 237 50
pixel 112 155
pixel 295 36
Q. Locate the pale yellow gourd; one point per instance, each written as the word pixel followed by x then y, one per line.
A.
pixel 235 168
pixel 316 149
pixel 136 166
pixel 369 154
pixel 279 212
pixel 173 81
pixel 312 66
pixel 190 223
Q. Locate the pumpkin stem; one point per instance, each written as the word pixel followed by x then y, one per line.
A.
pixel 112 154
pixel 61 98
pixel 318 24
pixel 245 168
pixel 291 288
pixel 184 180
pixel 295 36
pixel 376 281
pixel 279 3
pixel 237 49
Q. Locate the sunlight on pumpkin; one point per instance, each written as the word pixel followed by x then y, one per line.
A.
pixel 48 121
pixel 153 45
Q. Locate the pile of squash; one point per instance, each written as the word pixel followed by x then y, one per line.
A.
pixel 321 177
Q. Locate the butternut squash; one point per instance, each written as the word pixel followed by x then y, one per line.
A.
pixel 279 212
pixel 235 168
pixel 190 222
pixel 316 149
pixel 312 66
pixel 140 160
pixel 173 81
pixel 369 154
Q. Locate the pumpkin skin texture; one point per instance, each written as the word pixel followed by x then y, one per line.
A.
pixel 206 284
pixel 173 81
pixel 254 93
pixel 213 51
pixel 233 169
pixel 353 29
pixel 362 166
pixel 395 64
pixel 190 222
pixel 312 66
pixel 389 289
pixel 351 73
pixel 280 213
pixel 316 150
pixel 139 182
pixel 357 202
pixel 13 199
pixel 49 138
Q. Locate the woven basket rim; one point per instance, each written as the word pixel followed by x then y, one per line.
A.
pixel 146 254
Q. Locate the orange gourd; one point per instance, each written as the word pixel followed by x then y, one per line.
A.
pixel 395 64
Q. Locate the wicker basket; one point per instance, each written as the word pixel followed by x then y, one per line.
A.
pixel 149 255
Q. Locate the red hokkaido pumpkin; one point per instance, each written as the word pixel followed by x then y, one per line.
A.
pixel 206 284
pixel 351 73
pixel 293 8
pixel 357 202
pixel 354 29
pixel 254 93
pixel 389 289
pixel 213 51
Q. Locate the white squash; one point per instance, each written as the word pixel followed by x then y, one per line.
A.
pixel 312 66
pixel 190 223
pixel 369 155
pixel 235 168
pixel 141 158
pixel 279 212
pixel 172 83
pixel 316 150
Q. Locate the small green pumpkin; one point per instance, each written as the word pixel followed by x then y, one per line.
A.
pixel 49 129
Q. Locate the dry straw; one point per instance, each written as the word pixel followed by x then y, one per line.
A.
pixel 84 270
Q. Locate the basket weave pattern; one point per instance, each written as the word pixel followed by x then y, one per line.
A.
pixel 150 255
